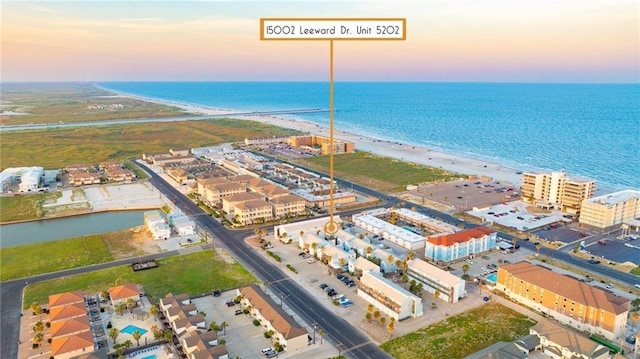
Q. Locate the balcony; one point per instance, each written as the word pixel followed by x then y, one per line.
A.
pixel 380 297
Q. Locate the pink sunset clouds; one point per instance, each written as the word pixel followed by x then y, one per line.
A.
pixel 587 41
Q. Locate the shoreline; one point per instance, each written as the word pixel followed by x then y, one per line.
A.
pixel 398 150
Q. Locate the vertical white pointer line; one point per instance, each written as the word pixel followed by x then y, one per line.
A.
pixel 332 225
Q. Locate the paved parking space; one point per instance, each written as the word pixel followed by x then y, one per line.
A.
pixel 616 250
pixel 562 234
pixel 515 215
pixel 468 194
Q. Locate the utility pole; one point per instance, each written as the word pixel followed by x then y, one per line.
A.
pixel 315 326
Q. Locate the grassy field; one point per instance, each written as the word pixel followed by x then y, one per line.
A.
pixel 461 335
pixel 38 258
pixel 24 207
pixel 194 273
pixel 385 174
pixel 635 271
pixel 55 148
pixel 73 102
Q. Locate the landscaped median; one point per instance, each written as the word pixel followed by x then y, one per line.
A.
pixel 461 335
pixel 194 274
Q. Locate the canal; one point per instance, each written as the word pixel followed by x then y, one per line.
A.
pixel 47 230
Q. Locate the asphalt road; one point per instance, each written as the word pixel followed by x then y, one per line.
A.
pixel 354 343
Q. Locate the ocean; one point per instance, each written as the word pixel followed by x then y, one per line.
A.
pixel 588 130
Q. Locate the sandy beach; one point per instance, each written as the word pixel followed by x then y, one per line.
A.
pixel 398 150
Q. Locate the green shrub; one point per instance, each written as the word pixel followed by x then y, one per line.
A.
pixel 256 322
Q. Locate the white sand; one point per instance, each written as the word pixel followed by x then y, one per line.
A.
pixel 404 152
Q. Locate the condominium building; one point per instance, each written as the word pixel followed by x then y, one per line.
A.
pixel 256 211
pixel 566 299
pixel 387 296
pixel 229 203
pixel 460 245
pixel 434 279
pixel 287 206
pixel 324 143
pixel 557 190
pixel 398 235
pixel 70 329
pixel 611 209
pixel 291 335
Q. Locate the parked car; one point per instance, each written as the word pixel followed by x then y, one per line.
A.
pixel 238 311
pixel 593 261
pixel 216 293
pixel 230 303
pixel 609 286
pixel 323 285
pixel 311 260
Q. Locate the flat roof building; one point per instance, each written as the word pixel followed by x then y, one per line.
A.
pixel 607 211
pixel 391 232
pixel 557 190
pixel 389 297
pixel 449 287
pixel 564 298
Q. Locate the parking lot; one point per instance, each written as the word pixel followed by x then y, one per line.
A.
pixel 516 215
pixel 616 250
pixel 466 195
pixel 243 339
pixel 562 234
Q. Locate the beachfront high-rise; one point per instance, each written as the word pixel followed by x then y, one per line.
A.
pixel 557 190
pixel 610 210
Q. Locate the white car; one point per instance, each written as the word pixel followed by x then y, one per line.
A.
pixel 311 260
pixel 609 286
pixel 268 350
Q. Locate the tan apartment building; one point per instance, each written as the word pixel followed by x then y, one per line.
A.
pixel 387 296
pixel 604 212
pixel 559 342
pixel 214 193
pixel 70 329
pixel 203 182
pixel 556 190
pixel 229 203
pixel 287 206
pixel 256 211
pixel 324 143
pixel 286 330
pixel 566 299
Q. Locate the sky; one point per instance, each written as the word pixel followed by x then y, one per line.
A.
pixel 580 41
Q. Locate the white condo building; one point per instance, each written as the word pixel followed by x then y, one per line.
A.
pixel 449 287
pixel 398 235
pixel 611 209
pixel 387 296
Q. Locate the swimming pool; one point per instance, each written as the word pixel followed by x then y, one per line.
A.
pixel 493 277
pixel 129 329
pixel 153 356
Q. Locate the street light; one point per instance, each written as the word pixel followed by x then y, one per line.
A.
pixel 315 326
pixel 339 346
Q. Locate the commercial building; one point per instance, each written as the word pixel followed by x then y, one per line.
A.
pixel 564 298
pixel 398 235
pixel 324 200
pixel 557 190
pixel 607 211
pixel 391 299
pixel 460 245
pixel 449 287
pixel 286 330
pixel 292 231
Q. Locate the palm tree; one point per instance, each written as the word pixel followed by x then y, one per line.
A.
pixel 38 339
pixel 376 314
pixel 104 294
pixel 465 268
pixel 321 333
pixel 370 308
pixel 342 261
pixel 120 308
pixel 514 241
pixel 249 308
pixel 369 250
pixel 137 335
pixel 383 320
pixel 168 334
pixel 36 308
pixel 222 342
pixel 113 334
pixel 390 327
pixel 155 330
pixel 127 344
pixel 119 281
pixel 368 316
pixel 436 294
pixel 130 303
pixel 392 320
pixel 154 311
pixel 390 259
pixel 38 327
pixel 224 326
pixel 411 255
pixel 213 326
